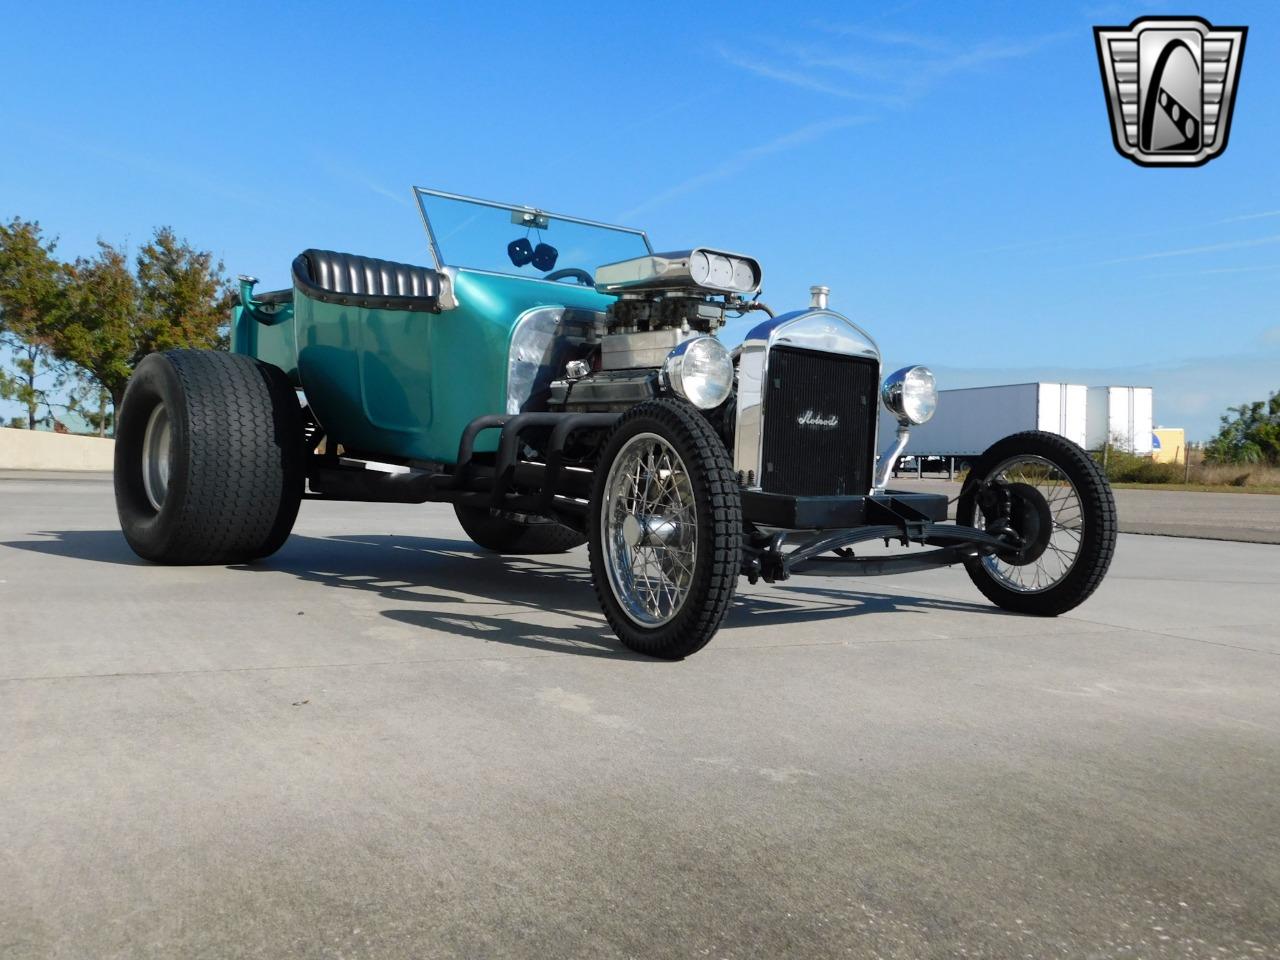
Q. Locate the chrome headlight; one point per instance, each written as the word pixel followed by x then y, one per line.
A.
pixel 910 394
pixel 701 371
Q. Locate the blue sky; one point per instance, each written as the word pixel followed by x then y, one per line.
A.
pixel 946 168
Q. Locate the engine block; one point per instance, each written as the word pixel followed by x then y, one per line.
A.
pixel 635 314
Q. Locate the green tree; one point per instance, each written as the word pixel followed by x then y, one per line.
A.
pixel 102 311
pixel 32 300
pixel 91 401
pixel 177 298
pixel 36 379
pixel 186 299
pixel 85 326
pixel 1250 433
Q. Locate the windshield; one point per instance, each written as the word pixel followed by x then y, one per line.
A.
pixel 520 241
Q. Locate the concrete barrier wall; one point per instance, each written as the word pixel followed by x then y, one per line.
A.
pixel 40 450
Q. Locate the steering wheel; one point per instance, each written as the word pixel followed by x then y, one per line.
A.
pixel 581 276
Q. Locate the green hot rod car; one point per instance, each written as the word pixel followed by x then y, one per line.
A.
pixel 560 383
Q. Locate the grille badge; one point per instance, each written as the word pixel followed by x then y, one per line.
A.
pixel 811 419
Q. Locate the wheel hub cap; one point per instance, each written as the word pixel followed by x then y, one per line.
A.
pixel 157 444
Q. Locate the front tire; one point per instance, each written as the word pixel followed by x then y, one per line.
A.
pixel 665 530
pixel 1061 502
pixel 209 458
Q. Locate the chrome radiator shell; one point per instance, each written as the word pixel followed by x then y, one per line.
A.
pixel 823 331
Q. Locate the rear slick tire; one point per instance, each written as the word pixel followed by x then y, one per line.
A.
pixel 209 458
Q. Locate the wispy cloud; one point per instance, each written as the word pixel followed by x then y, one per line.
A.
pixel 889 38
pixel 993 51
pixel 734 164
pixel 1252 216
pixel 1262 268
pixel 1094 238
pixel 796 78
pixel 892 68
pixel 1060 240
pixel 1188 251
pixel 187 174
pixel 342 171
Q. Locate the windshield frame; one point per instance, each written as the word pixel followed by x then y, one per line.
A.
pixel 420 192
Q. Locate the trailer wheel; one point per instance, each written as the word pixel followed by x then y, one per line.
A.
pixel 208 459
pixel 503 532
pixel 665 529
pixel 1050 495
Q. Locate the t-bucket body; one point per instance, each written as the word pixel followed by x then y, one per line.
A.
pixel 559 383
pixel 403 380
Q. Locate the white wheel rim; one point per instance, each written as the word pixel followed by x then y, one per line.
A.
pixel 157 444
pixel 649 530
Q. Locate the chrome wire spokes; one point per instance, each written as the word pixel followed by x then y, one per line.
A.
pixel 650 535
pixel 1066 514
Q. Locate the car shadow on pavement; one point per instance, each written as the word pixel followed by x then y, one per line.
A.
pixel 101 546
pixel 458 588
pixel 455 587
pixel 485 586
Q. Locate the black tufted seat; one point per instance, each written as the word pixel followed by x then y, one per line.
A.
pixel 352 280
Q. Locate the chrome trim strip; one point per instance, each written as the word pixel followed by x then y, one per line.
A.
pixel 431 237
pixel 889 459
pixel 824 331
pixel 448 288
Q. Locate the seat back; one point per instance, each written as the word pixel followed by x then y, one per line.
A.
pixel 351 279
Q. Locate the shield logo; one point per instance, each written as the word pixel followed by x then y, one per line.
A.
pixel 1171 86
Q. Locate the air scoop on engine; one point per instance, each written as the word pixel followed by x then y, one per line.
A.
pixel 697 271
pixel 684 291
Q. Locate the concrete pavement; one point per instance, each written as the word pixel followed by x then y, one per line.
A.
pixel 385 743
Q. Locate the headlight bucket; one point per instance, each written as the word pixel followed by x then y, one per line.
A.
pixel 701 371
pixel 911 395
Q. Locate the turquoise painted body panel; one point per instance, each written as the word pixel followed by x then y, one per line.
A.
pixel 405 384
pixel 266 332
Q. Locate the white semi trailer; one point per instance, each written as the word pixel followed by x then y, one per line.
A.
pixel 1121 416
pixel 970 420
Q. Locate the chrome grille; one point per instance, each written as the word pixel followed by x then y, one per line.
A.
pixel 819 423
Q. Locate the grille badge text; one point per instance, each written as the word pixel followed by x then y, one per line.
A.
pixel 811 419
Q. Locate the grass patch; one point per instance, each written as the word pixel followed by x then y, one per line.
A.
pixel 1128 470
pixel 1272 488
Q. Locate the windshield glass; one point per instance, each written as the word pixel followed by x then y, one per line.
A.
pixel 520 241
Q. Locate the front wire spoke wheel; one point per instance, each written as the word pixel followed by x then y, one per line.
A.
pixel 1056 550
pixel 652 540
pixel 1051 502
pixel 665 529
